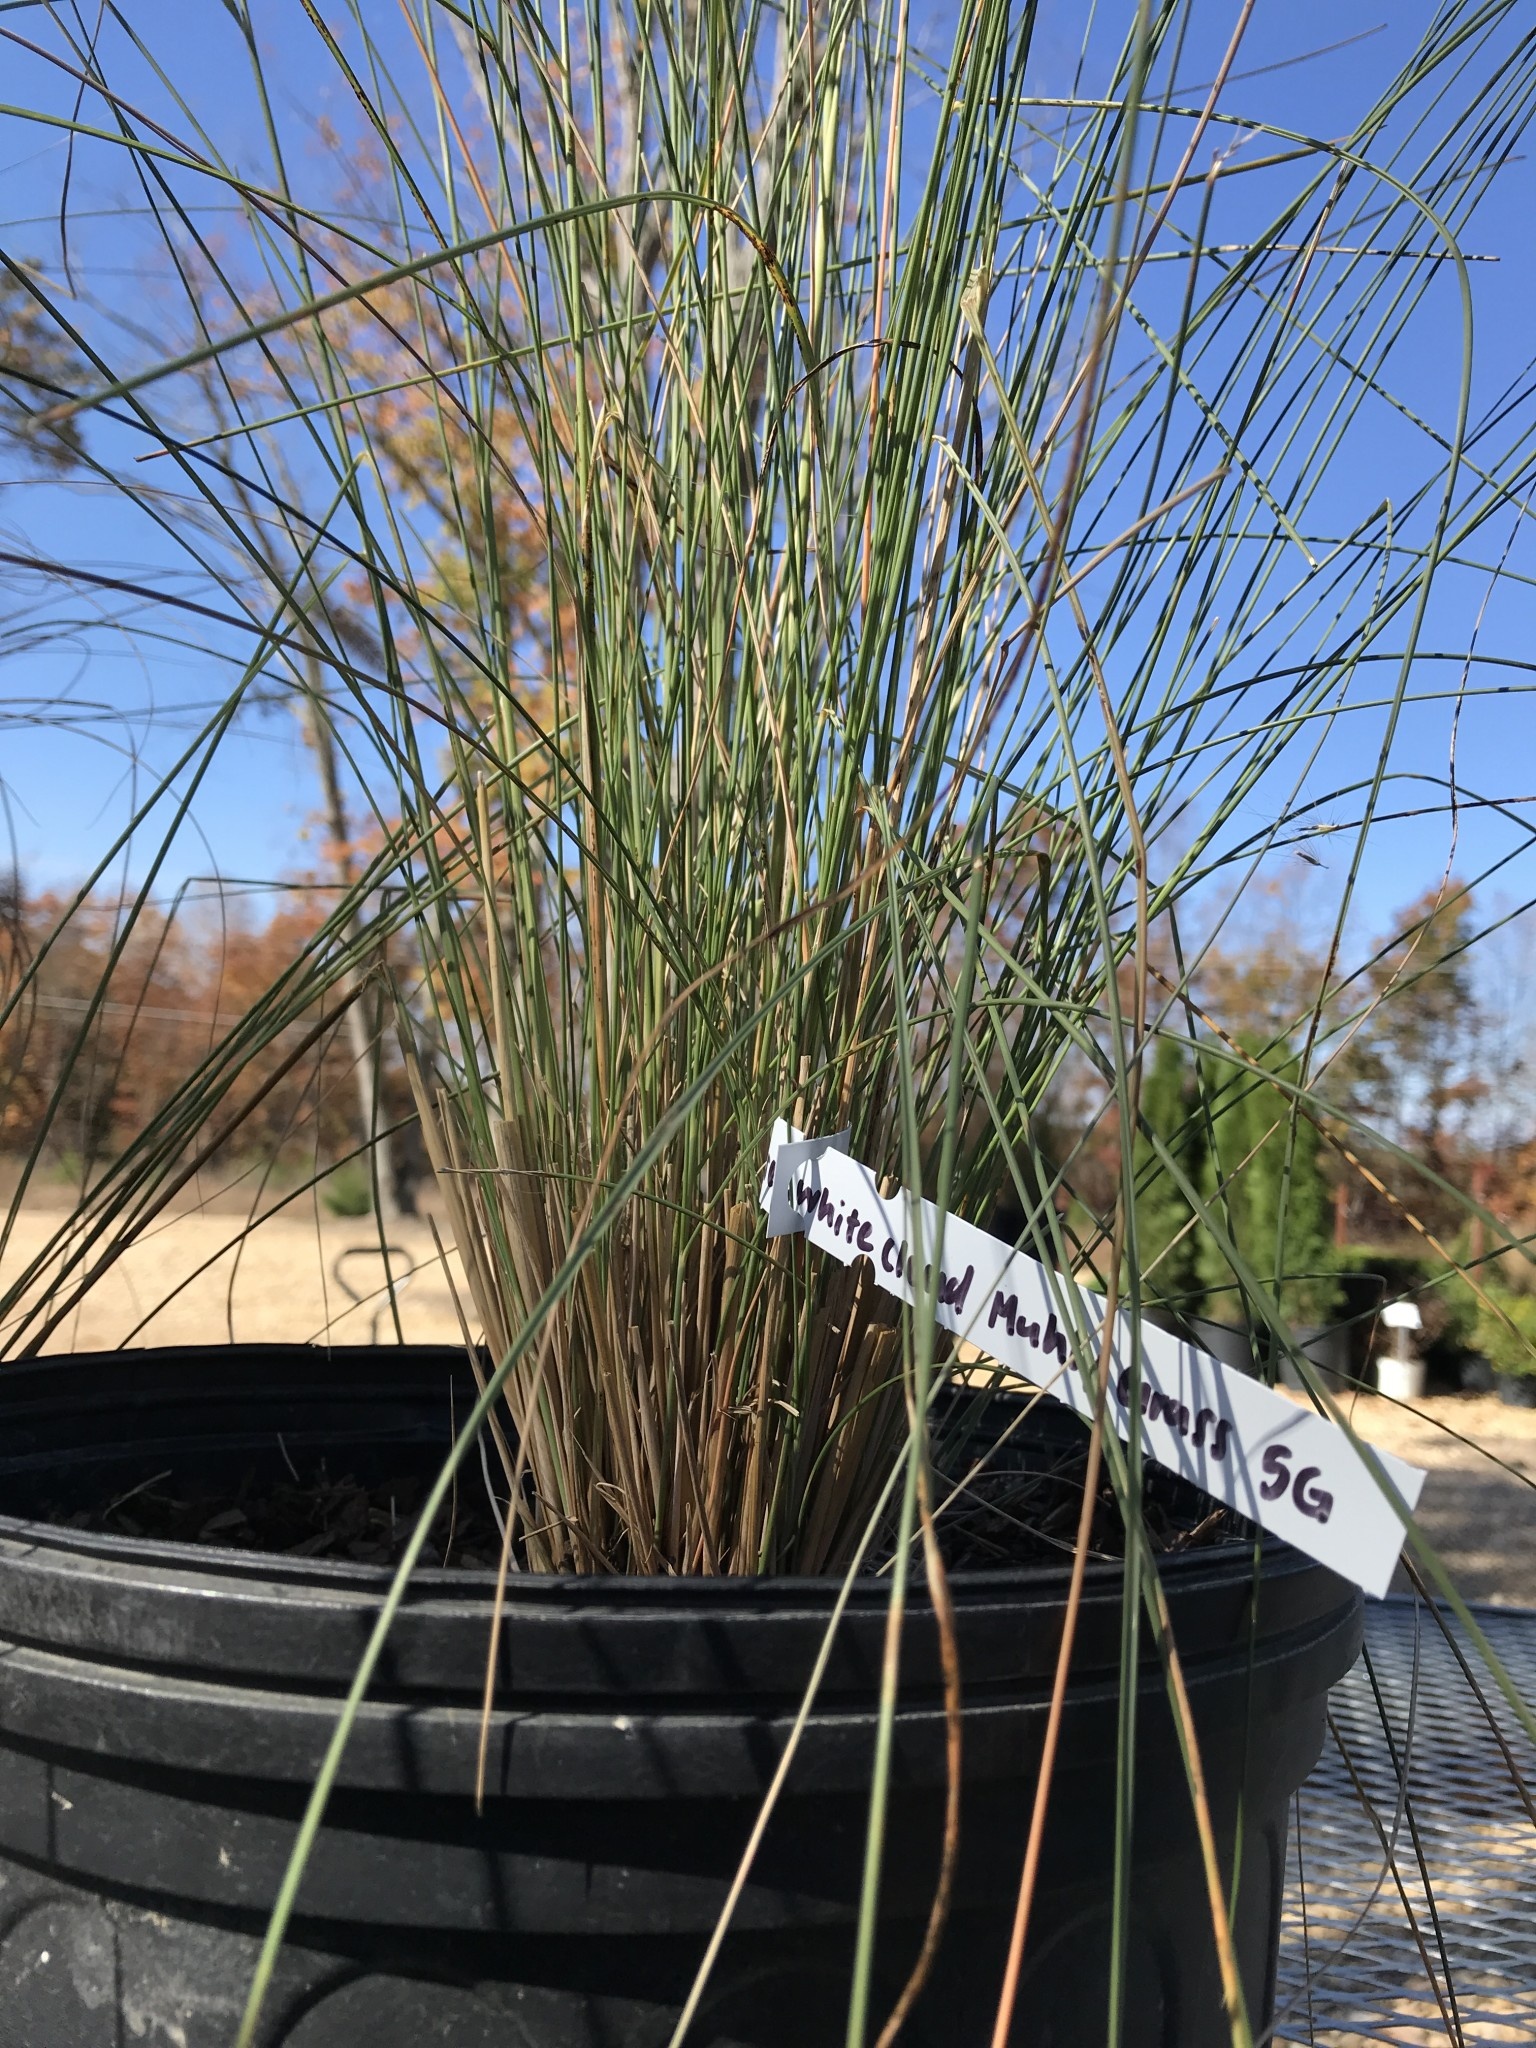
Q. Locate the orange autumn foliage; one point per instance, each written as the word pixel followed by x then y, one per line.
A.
pixel 94 1049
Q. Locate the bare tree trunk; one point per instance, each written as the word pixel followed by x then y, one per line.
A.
pixel 392 1197
pixel 360 1038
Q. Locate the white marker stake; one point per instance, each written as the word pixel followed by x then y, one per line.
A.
pixel 1285 1467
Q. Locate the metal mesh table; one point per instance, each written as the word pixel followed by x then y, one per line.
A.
pixel 1413 1919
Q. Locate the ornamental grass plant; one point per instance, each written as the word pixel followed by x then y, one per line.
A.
pixel 822 543
pixel 815 551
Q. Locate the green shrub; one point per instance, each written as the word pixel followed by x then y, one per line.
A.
pixel 1263 1176
pixel 349 1190
pixel 1505 1331
pixel 1167 1236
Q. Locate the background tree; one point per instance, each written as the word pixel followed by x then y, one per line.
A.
pixel 95 1047
pixel 1168 1236
pixel 1264 1179
pixel 1414 1036
pixel 38 365
pixel 1262 974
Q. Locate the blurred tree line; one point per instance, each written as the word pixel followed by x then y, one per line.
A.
pixel 1295 1122
pixel 1251 1165
pixel 103 1019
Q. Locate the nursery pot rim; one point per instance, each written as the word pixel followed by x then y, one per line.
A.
pixel 824 1587
pixel 233 1560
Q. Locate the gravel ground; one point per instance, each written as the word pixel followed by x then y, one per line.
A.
pixel 1478 1506
pixel 194 1281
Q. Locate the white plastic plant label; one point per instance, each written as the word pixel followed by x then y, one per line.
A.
pixel 1284 1466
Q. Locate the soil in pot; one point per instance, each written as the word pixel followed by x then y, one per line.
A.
pixel 1012 1509
pixel 164 1704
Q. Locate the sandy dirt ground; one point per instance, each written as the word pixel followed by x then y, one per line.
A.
pixel 1478 1506
pixel 193 1280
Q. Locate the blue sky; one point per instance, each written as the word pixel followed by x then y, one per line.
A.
pixel 138 701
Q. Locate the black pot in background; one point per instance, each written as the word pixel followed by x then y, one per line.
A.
pixel 1477 1375
pixel 163 1710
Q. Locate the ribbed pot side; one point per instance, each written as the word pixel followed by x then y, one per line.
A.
pixel 164 1709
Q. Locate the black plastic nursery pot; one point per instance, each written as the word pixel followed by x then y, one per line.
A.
pixel 164 1709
